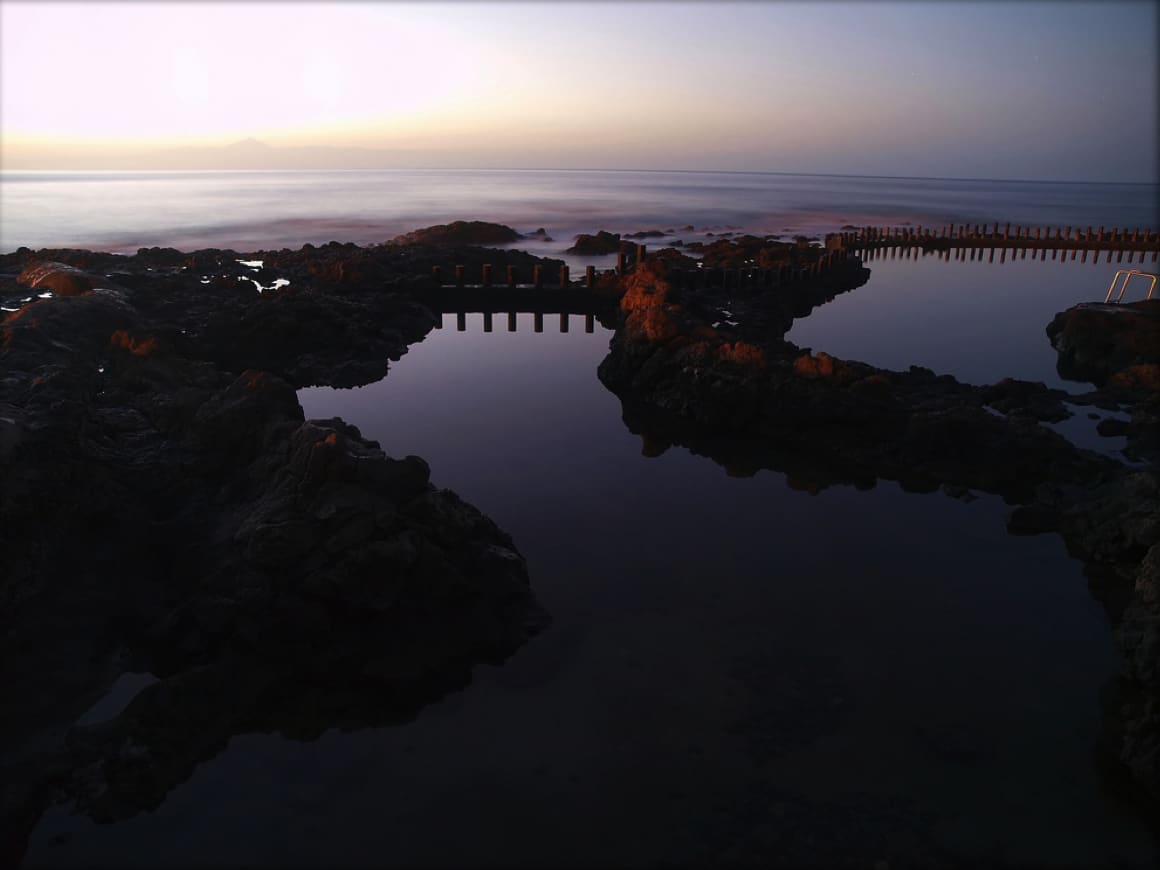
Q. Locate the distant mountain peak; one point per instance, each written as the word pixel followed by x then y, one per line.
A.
pixel 250 144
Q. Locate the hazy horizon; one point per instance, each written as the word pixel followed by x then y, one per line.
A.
pixel 1044 91
pixel 594 169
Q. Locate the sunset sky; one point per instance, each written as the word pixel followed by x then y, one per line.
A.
pixel 1034 90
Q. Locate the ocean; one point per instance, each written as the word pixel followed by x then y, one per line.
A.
pixel 247 210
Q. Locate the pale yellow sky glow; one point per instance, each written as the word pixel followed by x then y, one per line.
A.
pixel 185 72
pixel 966 89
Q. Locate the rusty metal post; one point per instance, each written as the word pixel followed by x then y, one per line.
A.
pixel 620 263
pixel 538 277
pixel 487 280
pixel 590 277
pixel 437 274
pixel 563 276
pixel 511 276
pixel 459 276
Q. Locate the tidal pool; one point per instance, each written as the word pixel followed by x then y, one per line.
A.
pixel 736 668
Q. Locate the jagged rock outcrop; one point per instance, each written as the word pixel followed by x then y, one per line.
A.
pixel 1097 343
pixel 59 278
pixel 459 233
pixel 166 507
pixel 604 242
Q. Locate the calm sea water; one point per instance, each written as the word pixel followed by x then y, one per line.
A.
pixel 121 211
pixel 718 675
pixel 978 320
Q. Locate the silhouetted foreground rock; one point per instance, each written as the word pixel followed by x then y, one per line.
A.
pixel 165 508
pixel 747 398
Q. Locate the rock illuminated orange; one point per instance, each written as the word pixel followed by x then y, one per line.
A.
pixel 122 339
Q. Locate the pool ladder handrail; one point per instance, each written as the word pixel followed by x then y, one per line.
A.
pixel 1128 275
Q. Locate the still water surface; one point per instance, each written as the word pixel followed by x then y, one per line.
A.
pixel 733 665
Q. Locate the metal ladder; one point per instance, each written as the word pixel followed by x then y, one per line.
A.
pixel 1129 274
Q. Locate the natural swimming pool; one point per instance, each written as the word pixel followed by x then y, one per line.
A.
pixel 734 666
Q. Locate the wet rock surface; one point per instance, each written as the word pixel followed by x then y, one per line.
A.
pixel 734 390
pixel 166 508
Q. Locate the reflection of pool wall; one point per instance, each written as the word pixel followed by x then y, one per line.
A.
pixel 565 322
pixel 969 242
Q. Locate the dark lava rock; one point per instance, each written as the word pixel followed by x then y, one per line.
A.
pixel 306 337
pixel 749 250
pixel 1110 426
pixel 646 234
pixel 459 233
pixel 601 243
pixel 59 278
pixel 165 506
pixel 1011 395
pixel 1096 342
pixel 675 258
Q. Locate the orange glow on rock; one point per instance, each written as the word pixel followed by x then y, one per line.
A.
pixel 744 353
pixel 254 379
pixel 809 366
pixel 123 340
pixel 648 314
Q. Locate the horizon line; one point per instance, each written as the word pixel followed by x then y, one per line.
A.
pixel 1153 182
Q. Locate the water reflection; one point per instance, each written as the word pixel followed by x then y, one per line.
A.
pixel 723 682
pixel 977 320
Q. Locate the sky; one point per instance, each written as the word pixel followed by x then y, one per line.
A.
pixel 1021 90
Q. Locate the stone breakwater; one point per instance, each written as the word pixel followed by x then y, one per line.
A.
pixel 166 508
pixel 739 393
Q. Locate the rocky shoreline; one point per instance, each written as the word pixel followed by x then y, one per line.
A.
pixel 166 508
